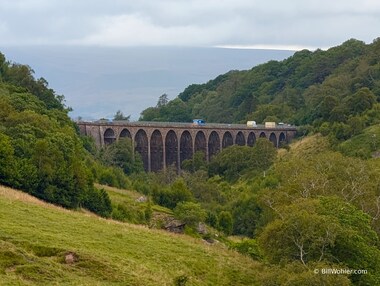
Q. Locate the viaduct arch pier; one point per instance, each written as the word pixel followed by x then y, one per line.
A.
pixel 162 144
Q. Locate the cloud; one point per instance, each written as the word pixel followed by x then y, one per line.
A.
pixel 138 30
pixel 314 23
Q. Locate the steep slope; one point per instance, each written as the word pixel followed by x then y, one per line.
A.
pixel 35 239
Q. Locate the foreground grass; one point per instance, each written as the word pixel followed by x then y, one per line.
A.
pixel 35 238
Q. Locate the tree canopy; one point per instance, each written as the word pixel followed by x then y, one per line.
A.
pixel 40 151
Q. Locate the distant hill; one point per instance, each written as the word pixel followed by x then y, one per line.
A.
pixel 307 88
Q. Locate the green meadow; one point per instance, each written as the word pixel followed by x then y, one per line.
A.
pixel 36 237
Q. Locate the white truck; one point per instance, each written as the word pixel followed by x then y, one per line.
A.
pixel 251 124
pixel 270 124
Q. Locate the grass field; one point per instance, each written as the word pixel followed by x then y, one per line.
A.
pixel 35 238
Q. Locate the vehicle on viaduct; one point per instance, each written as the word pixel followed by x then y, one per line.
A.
pixel 162 144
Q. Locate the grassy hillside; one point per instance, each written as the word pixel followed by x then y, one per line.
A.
pixel 35 238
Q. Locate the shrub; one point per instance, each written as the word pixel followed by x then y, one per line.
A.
pixel 190 213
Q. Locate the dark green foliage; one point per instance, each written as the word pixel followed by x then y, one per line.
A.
pixel 248 247
pixel 120 116
pixel 98 202
pixel 364 145
pixel 181 280
pixel 120 154
pixel 170 196
pixel 40 151
pixel 235 161
pixel 190 213
pixel 22 76
pixel 212 219
pixel 198 162
pixel 148 212
pixel 89 144
pixel 7 163
pixel 207 190
pixel 225 222
pixel 174 111
pixel 246 215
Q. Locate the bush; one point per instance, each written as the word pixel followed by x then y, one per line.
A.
pixel 98 202
pixel 248 247
pixel 225 223
pixel 170 196
pixel 190 213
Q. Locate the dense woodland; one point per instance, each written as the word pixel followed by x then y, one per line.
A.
pixel 314 204
pixel 333 88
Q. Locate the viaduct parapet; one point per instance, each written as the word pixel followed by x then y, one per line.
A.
pixel 162 144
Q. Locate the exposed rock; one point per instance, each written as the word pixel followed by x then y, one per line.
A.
pixel 201 228
pixel 175 226
pixel 141 199
pixel 70 257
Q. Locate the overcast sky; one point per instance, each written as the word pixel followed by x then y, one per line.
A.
pixel 251 23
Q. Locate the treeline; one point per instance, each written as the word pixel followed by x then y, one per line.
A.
pixel 40 150
pixel 335 90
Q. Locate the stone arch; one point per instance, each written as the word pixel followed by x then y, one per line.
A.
pixel 185 146
pixel 109 136
pixel 282 139
pixel 263 135
pixel 240 139
pixel 273 139
pixel 156 151
pixel 227 140
pixel 141 146
pixel 251 139
pixel 171 149
pixel 213 144
pixel 200 143
pixel 125 134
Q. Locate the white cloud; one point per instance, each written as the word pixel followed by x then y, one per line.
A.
pixel 137 30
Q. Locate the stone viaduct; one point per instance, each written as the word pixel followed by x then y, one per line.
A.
pixel 162 144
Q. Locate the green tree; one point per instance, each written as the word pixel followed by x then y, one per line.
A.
pixel 323 230
pixel 235 161
pixel 198 162
pixel 190 213
pixel 162 100
pixel 6 160
pixel 170 196
pixel 120 116
pixel 121 154
pixel 362 100
pixel 246 214
pixel 40 151
pixel 225 222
